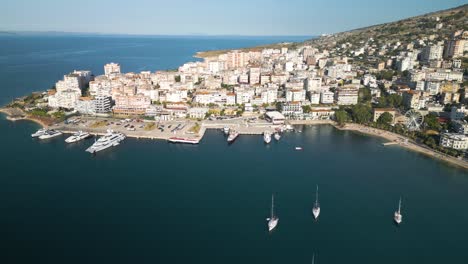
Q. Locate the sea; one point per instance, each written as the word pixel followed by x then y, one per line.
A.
pixel 148 201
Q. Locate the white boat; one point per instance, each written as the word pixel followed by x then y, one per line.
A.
pixel 273 220
pixel 232 136
pixel 226 130
pixel 298 148
pixel 50 134
pixel 316 208
pixel 110 139
pixel 277 136
pixel 183 140
pixel 39 133
pixel 80 135
pixel 398 217
pixel 267 137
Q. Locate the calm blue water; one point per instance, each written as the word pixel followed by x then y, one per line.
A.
pixel 154 202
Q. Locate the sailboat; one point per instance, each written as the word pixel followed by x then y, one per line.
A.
pixel 398 217
pixel 273 220
pixel 316 209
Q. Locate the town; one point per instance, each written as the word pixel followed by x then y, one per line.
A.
pixel 414 87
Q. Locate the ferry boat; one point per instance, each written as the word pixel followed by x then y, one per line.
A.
pixel 110 139
pixel 50 134
pixel 183 140
pixel 277 136
pixel 80 135
pixel 273 220
pixel 267 137
pixel 232 136
pixel 39 133
pixel 398 217
pixel 226 130
pixel 316 208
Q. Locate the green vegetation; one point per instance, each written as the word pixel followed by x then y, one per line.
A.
pixel 39 112
pixel 342 117
pixel 385 119
pixel 306 109
pixel 361 113
pixel 196 128
pixel 177 78
pixel 150 126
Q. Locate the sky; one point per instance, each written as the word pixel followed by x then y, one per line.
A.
pixel 209 17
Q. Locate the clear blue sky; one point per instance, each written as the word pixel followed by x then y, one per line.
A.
pixel 214 17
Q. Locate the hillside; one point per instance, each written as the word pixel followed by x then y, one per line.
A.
pixel 404 31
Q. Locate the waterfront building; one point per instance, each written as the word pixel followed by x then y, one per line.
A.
pixel 347 96
pixel 102 104
pixel 295 95
pixel 292 109
pixel 131 104
pixel 198 112
pixel 322 114
pixel 275 117
pixel 111 68
pixel 454 141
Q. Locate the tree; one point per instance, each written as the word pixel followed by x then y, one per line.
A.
pixel 385 119
pixel 177 78
pixel 432 122
pixel 361 113
pixel 341 116
pixel 306 109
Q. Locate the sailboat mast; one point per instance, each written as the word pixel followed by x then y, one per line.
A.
pixel 399 206
pixel 272 205
pixel 316 196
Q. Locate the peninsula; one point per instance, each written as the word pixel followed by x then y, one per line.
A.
pixel 404 81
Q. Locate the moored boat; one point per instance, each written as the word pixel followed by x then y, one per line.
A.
pixel 232 136
pixel 39 133
pixel 80 135
pixel 50 134
pixel 183 140
pixel 226 130
pixel 110 139
pixel 267 137
pixel 277 136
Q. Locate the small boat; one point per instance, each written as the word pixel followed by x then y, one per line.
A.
pixel 183 140
pixel 232 136
pixel 80 135
pixel 39 133
pixel 277 136
pixel 398 217
pixel 267 137
pixel 298 148
pixel 226 130
pixel 316 208
pixel 273 220
pixel 50 134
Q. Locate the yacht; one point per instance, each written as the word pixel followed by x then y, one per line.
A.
pixel 316 209
pixel 398 217
pixel 110 139
pixel 226 130
pixel 273 220
pixel 39 133
pixel 267 137
pixel 232 136
pixel 80 135
pixel 184 140
pixel 50 134
pixel 298 148
pixel 277 136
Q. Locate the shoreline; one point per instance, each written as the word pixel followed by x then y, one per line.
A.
pixel 392 138
pixel 9 117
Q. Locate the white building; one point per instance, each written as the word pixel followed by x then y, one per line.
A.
pixel 454 141
pixel 327 97
pixel 111 68
pixel 295 95
pixel 347 96
pixel 315 98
